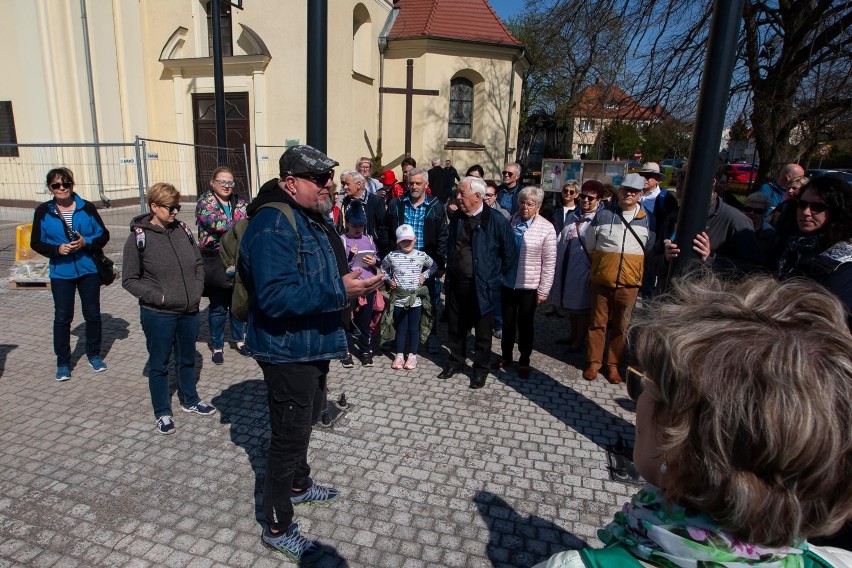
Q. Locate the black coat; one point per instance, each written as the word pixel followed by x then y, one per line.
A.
pixel 437 183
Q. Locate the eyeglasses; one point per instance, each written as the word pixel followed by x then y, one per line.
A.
pixel 754 210
pixel 815 206
pixel 626 189
pixel 64 185
pixel 586 197
pixel 225 182
pixel 172 209
pixel 319 179
pixel 489 195
pixel 510 174
pixel 568 191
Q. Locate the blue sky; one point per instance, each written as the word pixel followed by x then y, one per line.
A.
pixel 506 8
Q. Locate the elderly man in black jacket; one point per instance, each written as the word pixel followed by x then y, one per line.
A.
pixel 481 250
pixel 354 184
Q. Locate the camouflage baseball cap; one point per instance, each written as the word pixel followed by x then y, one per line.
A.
pixel 304 159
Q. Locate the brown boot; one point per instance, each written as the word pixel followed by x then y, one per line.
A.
pixel 591 372
pixel 612 375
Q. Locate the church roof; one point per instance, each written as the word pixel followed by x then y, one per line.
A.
pixel 466 20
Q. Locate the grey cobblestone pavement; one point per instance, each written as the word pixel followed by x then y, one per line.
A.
pixel 432 473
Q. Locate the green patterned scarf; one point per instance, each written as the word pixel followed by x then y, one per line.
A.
pixel 670 536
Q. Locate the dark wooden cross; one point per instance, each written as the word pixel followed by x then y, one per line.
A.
pixel 409 91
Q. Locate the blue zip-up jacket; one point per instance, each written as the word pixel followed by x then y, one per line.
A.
pixel 298 294
pixel 494 254
pixel 49 231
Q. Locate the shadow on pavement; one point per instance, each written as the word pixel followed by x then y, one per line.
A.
pixel 574 409
pixel 112 330
pixel 516 540
pixel 243 406
pixel 5 349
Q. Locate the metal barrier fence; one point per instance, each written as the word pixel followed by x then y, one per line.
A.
pixel 266 163
pixel 122 172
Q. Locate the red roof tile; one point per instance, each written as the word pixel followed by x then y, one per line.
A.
pixel 610 101
pixel 470 20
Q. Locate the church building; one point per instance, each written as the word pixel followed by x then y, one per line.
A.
pixel 151 69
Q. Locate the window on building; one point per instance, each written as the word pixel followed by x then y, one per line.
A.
pixel 362 45
pixel 224 28
pixel 587 125
pixel 7 130
pixel 584 148
pixel 461 109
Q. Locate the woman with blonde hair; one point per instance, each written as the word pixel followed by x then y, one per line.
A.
pixel 163 268
pixel 743 430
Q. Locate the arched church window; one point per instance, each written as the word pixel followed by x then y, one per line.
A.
pixel 224 28
pixel 362 33
pixel 461 109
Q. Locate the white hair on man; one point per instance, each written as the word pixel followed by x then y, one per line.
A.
pixel 477 185
pixel 356 176
pixel 436 161
pixel 419 172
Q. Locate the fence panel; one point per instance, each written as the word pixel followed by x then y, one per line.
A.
pixel 188 166
pixel 267 162
pixel 110 167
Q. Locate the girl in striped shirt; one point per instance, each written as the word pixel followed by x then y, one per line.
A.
pixel 407 269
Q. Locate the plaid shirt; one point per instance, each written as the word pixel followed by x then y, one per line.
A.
pixel 415 216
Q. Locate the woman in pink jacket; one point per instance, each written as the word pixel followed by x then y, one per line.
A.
pixel 528 283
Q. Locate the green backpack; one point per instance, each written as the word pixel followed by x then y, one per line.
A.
pixel 229 252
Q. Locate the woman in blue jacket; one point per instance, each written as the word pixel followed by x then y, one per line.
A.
pixel 67 230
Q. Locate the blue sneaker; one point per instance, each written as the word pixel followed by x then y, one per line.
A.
pixel 63 373
pixel 316 495
pixel 199 408
pixel 292 544
pixel 97 364
pixel 165 425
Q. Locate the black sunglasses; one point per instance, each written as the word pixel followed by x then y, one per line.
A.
pixel 507 173
pixel 587 197
pixel 172 209
pixel 319 179
pixel 569 191
pixel 64 185
pixel 756 211
pixel 815 206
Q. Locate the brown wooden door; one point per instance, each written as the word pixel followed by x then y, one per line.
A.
pixel 237 132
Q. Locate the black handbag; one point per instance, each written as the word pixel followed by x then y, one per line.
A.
pixel 105 266
pixel 214 271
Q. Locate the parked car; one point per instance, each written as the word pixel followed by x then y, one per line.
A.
pixel 845 176
pixel 742 173
pixel 673 162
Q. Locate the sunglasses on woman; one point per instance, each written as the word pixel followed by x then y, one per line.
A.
pixel 64 185
pixel 586 197
pixel 225 182
pixel 172 209
pixel 815 206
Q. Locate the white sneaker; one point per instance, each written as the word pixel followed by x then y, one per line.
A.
pixel 398 361
pixel 411 363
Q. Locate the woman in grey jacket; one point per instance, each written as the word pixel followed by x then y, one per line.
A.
pixel 163 268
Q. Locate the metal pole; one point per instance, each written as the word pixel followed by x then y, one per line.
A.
pixel 139 179
pixel 219 84
pixel 317 126
pixel 95 137
pixel 710 117
pixel 248 174
pixel 257 165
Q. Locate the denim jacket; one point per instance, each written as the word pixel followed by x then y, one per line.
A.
pixel 297 292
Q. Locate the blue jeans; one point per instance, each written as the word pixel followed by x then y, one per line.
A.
pixel 220 304
pixel 89 288
pixel 407 324
pixel 164 332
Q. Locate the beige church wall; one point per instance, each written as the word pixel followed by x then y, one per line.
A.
pixel 488 67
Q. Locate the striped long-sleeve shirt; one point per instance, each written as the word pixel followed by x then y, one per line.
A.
pixel 406 268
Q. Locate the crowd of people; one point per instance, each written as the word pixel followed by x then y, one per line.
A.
pixel 331 275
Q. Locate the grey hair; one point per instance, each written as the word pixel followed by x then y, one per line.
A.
pixel 759 198
pixel 514 165
pixel 356 176
pixel 436 161
pixel 477 185
pixel 751 384
pixel 419 172
pixel 573 183
pixel 533 192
